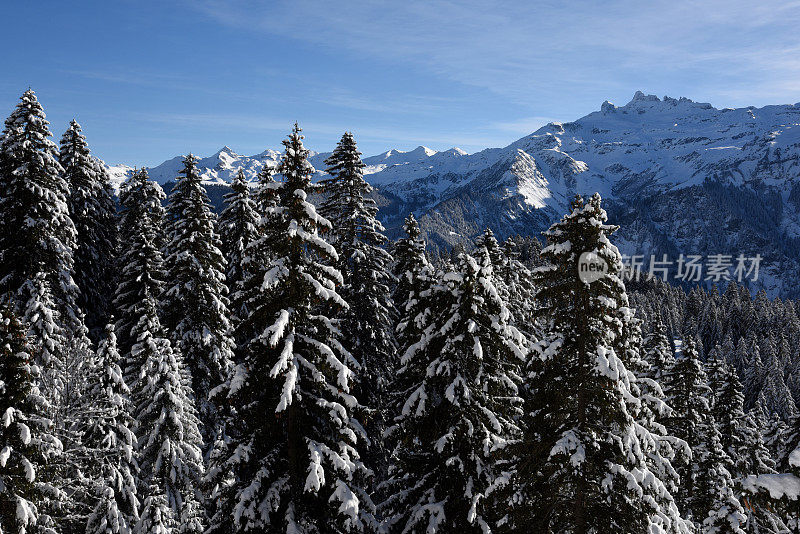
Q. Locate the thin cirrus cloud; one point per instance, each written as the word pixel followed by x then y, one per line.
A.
pixel 721 49
pixel 366 132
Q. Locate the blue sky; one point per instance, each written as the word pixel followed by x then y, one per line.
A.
pixel 150 80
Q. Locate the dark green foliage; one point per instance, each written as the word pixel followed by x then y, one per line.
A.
pixel 296 464
pixel 195 304
pixel 92 209
pixel 455 406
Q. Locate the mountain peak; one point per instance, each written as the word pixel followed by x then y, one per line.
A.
pixel 639 96
pixel 423 150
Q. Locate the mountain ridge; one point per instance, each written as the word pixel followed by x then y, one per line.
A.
pixel 679 176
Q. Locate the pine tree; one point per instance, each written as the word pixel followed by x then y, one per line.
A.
pixel 140 265
pixel 582 398
pixel 157 516
pixel 92 210
pixel 662 450
pixel 168 437
pixel 728 409
pixel 108 433
pixel 713 499
pixel 266 196
pixel 237 229
pixel 521 292
pixel 62 371
pixel 297 466
pixel 257 255
pixel 106 517
pixel 196 304
pixel 26 443
pixel 706 491
pixel 37 241
pixel 36 231
pixel 409 259
pixel 658 352
pixel 455 408
pixel 367 325
pixel 44 328
pixel 753 459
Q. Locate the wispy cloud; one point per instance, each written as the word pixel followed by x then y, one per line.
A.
pixel 522 126
pixel 511 48
pixel 323 132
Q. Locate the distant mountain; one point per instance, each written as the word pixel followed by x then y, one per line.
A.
pixel 677 175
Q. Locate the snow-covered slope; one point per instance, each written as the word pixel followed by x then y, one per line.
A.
pixel 679 176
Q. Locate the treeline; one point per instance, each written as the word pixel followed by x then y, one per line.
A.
pixel 281 368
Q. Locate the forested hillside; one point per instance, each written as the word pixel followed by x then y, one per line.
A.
pixel 283 366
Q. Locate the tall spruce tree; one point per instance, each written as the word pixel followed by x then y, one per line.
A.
pixel 582 466
pixel 27 445
pixel 92 209
pixel 196 304
pixel 237 229
pixel 409 259
pixel 257 255
pixel 36 231
pixel 62 371
pixel 297 466
pixel 167 429
pixel 140 264
pixel 108 434
pixel 455 408
pixel 368 324
pixel 520 289
pixel 662 450
pixel 706 492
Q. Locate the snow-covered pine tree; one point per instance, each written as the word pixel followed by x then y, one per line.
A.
pixel 713 501
pixel 237 229
pixel 40 316
pixel 582 466
pixel 107 432
pixel 27 445
pixel 92 210
pixel 658 351
pixel 36 231
pixel 157 516
pixel 754 459
pixel 195 304
pixel 774 395
pixel 661 450
pixel 140 264
pixel 409 259
pixel 257 255
pixel 456 409
pixel 167 429
pixel 368 324
pixel 489 242
pixel 61 379
pixel 106 517
pixel 706 492
pixel 266 195
pixel 297 467
pixel 727 407
pixel 521 292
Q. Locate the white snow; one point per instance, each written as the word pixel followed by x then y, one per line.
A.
pixel 777 485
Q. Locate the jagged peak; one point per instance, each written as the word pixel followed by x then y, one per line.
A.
pixel 607 107
pixel 225 150
pixel 423 150
pixel 639 96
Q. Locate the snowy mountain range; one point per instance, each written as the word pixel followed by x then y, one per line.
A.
pixel 677 175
